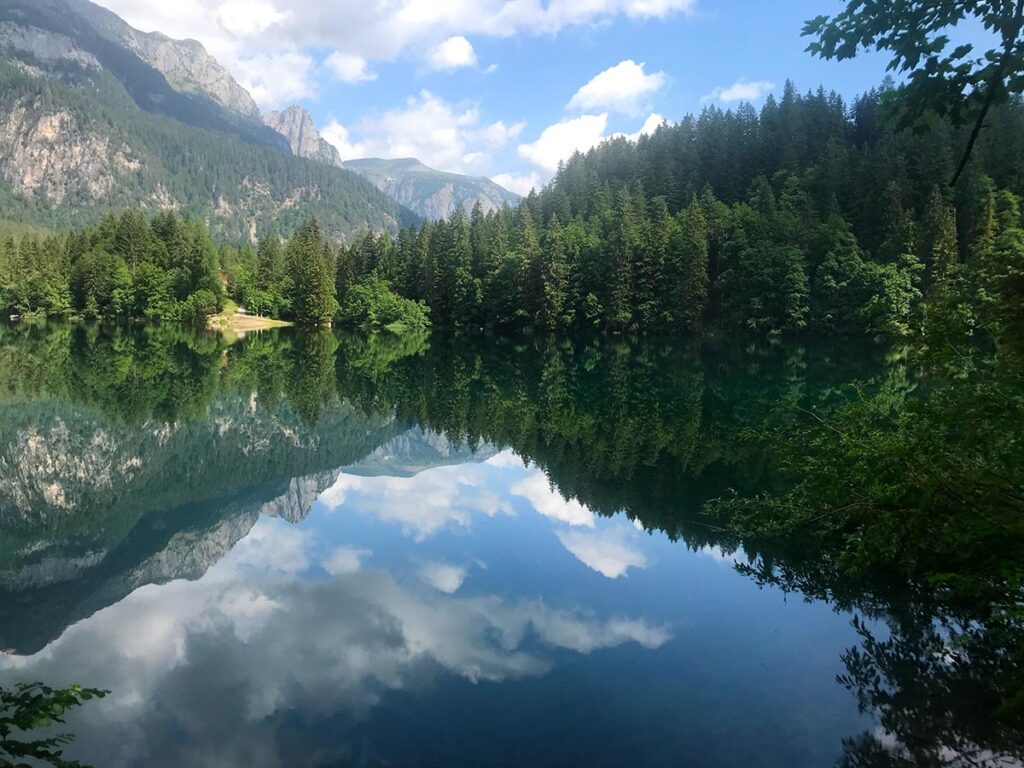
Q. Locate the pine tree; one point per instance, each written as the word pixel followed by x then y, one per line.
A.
pixel 556 311
pixel 310 284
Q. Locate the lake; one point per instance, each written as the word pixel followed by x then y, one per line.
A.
pixel 321 550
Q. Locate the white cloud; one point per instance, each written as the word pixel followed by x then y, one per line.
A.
pixel 272 545
pixel 338 135
pixel 344 560
pixel 520 184
pixel 536 488
pixel 446 136
pixel 741 90
pixel 453 53
pixel 349 68
pixel 443 577
pixel 276 79
pixel 650 126
pixel 283 645
pixel 557 142
pixel 242 34
pixel 249 17
pixel 622 88
pixel 608 551
pixel 424 504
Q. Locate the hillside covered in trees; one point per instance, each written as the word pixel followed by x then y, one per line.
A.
pixel 89 125
pixel 810 215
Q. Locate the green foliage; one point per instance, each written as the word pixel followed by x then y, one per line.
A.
pixel 943 79
pixel 207 164
pixel 309 276
pixel 371 305
pixel 31 706
pixel 810 216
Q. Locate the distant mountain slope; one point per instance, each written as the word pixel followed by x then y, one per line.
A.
pixel 88 124
pixel 430 193
pixel 304 140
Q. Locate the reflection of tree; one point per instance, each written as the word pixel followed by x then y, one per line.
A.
pixel 945 692
pixel 909 507
pixel 899 499
pixel 311 383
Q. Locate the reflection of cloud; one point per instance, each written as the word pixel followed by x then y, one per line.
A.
pixel 345 560
pixel 545 499
pixel 423 504
pixel 443 577
pixel 606 551
pixel 719 555
pixel 273 545
pixel 209 672
pixel 506 458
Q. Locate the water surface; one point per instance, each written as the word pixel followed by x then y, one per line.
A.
pixel 326 551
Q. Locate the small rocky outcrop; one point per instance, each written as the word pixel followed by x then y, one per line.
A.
pixel 296 125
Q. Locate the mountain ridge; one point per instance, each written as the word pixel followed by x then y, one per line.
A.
pixel 428 192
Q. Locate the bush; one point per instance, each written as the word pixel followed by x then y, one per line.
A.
pixel 371 305
pixel 200 305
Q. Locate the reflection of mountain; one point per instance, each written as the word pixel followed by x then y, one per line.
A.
pixel 96 512
pixel 92 511
pixel 416 450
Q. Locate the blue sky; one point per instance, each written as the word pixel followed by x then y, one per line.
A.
pixel 503 88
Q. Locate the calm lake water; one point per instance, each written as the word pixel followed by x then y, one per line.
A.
pixel 325 551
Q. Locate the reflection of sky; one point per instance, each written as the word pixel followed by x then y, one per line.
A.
pixel 465 615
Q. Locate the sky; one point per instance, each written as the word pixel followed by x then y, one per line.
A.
pixel 503 88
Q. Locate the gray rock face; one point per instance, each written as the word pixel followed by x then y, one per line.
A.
pixel 49 151
pixel 431 193
pixel 296 125
pixel 47 46
pixel 185 63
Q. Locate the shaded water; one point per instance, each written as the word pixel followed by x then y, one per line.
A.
pixel 312 550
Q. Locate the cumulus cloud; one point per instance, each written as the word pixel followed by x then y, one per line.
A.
pixel 622 88
pixel 454 53
pixel 557 142
pixel 338 135
pixel 249 17
pixel 442 576
pixel 272 545
pixel 277 78
pixel 422 505
pixel 349 68
pixel 345 560
pixel 281 646
pixel 521 184
pixel 650 126
pixel 608 551
pixel 240 33
pixel 536 488
pixel 741 90
pixel 450 137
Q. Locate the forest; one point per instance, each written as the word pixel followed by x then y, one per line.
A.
pixel 810 216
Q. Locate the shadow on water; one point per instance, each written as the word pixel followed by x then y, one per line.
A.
pixel 119 445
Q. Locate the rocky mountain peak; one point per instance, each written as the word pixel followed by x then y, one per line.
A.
pixel 296 125
pixel 186 64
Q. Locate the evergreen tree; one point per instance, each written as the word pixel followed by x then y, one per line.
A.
pixel 309 280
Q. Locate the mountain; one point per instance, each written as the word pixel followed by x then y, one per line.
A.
pixel 296 125
pixel 428 192
pixel 416 450
pixel 185 64
pixel 95 115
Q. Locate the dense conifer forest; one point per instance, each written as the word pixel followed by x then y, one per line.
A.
pixel 812 216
